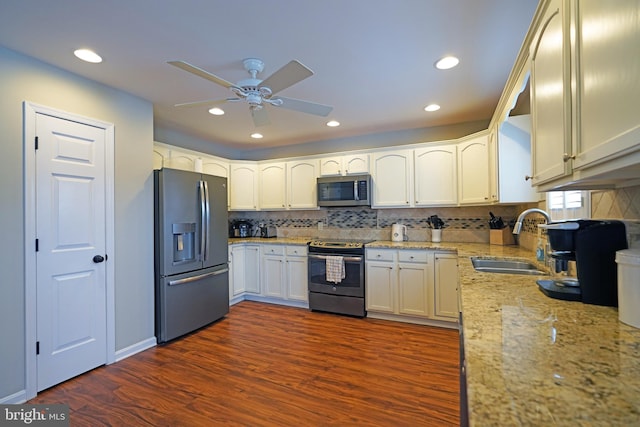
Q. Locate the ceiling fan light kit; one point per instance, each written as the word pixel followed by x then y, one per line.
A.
pixel 258 92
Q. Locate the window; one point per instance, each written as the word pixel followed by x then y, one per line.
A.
pixel 563 205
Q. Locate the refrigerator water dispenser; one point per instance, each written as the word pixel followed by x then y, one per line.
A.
pixel 184 242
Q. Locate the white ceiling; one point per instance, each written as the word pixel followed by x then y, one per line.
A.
pixel 373 59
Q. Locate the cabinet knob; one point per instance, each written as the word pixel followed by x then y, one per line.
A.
pixel 527 177
pixel 566 157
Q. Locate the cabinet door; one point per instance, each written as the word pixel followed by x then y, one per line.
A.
pixel 273 186
pixel 237 270
pixel 608 88
pixel 273 275
pixel 473 171
pixel 215 167
pixel 551 95
pixel 243 194
pixel 252 269
pixel 297 288
pixel 436 175
pixel 446 286
pixel 302 184
pixel 392 179
pixel 514 160
pixel 331 166
pixel 380 286
pixel 356 164
pixel 413 297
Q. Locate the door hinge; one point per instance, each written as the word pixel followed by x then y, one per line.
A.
pixel 37 348
pixel 37 245
pixel 36 142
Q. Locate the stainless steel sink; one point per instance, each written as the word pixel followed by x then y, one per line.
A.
pixel 506 266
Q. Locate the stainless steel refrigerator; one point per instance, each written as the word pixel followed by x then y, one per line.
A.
pixel 191 261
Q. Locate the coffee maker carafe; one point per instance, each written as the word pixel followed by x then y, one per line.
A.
pixel 592 245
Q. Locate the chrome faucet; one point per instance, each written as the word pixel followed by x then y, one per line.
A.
pixel 518 226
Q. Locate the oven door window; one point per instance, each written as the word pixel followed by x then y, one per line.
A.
pixel 352 284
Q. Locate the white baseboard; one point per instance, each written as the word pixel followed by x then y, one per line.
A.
pixel 135 348
pixel 278 301
pixel 15 398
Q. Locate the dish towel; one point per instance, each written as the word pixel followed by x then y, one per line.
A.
pixel 335 268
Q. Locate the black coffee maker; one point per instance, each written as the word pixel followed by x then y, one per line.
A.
pixel 592 244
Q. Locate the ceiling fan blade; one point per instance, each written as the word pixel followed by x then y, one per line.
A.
pixel 260 117
pixel 286 76
pixel 210 102
pixel 202 73
pixel 305 106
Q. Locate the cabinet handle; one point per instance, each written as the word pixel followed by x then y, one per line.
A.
pixel 566 157
pixel 527 177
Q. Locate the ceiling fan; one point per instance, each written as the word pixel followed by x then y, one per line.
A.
pixel 258 92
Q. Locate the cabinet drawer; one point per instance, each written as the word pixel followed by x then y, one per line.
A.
pixel 297 250
pixel 273 250
pixel 412 256
pixel 380 255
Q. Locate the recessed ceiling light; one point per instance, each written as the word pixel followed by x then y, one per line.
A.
pixel 447 62
pixel 432 107
pixel 333 123
pixel 216 111
pixel 256 135
pixel 88 56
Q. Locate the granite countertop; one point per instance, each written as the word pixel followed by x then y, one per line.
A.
pixel 271 240
pixel 532 360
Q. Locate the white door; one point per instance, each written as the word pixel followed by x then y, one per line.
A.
pixel 71 232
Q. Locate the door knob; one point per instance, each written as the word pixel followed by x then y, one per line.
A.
pixel 98 259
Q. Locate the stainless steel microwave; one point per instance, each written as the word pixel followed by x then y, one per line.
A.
pixel 352 190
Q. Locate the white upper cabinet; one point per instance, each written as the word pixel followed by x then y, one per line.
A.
pixel 607 46
pixel 243 182
pixel 273 185
pixel 215 167
pixel 473 171
pixel 514 160
pixel 302 188
pixel 585 94
pixel 355 164
pixel 392 173
pixel 350 164
pixel 551 94
pixel 436 176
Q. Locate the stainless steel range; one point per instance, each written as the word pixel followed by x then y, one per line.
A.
pixel 336 276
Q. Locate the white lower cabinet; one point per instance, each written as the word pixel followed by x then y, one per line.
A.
pixel 284 272
pixel 411 284
pixel 244 276
pixel 446 286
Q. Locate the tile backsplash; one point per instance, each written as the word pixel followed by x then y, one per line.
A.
pixel 621 204
pixel 462 224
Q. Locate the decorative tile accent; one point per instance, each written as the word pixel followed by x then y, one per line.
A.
pixel 461 224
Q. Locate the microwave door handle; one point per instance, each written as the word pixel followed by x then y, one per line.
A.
pixel 355 190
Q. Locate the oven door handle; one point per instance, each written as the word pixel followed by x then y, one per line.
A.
pixel 346 258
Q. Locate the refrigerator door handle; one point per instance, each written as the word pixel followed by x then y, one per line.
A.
pixel 198 277
pixel 207 220
pixel 203 231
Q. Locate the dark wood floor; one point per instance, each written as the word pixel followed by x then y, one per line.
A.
pixel 269 365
